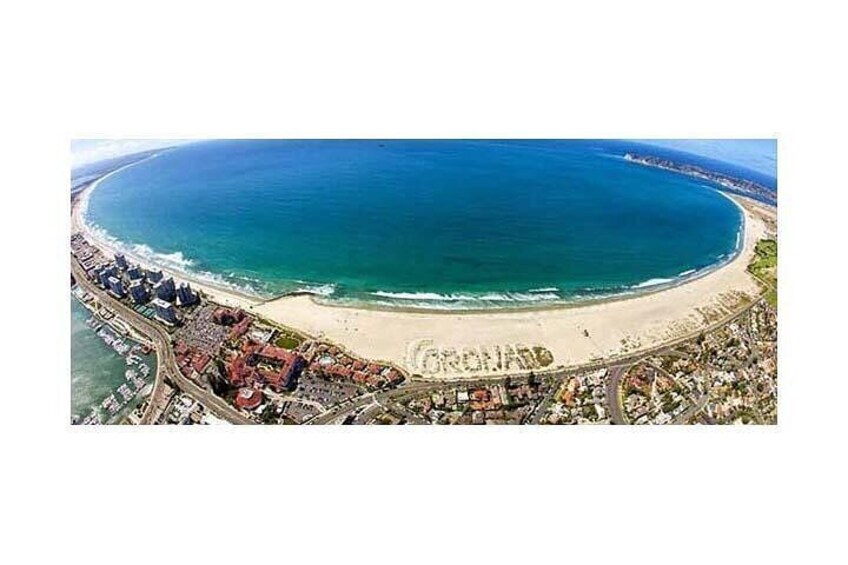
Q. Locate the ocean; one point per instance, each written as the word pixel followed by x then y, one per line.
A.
pixel 97 370
pixel 432 223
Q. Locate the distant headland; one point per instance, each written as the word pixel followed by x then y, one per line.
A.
pixel 734 184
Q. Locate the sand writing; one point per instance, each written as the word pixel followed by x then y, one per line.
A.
pixel 424 356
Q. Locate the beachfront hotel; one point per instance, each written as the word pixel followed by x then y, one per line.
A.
pixel 547 351
pixel 165 311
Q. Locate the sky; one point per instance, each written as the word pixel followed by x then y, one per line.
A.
pixel 757 154
pixel 84 151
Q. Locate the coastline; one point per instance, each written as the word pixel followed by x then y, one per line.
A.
pixel 220 294
pixel 83 395
pixel 563 304
pixel 719 181
pixel 229 295
pixel 576 333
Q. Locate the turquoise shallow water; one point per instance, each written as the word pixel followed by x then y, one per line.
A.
pixel 436 223
pixel 96 369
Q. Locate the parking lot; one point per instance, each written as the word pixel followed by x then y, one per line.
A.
pixel 326 393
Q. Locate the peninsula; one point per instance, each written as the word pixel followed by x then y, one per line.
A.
pixel 740 186
pixel 227 355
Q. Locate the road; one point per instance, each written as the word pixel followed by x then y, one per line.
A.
pixel 614 395
pixel 617 360
pixel 349 407
pixel 166 361
pixel 167 370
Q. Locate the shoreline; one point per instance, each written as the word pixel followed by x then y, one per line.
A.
pixel 238 297
pixel 562 304
pixel 139 396
pixel 221 294
pixel 573 334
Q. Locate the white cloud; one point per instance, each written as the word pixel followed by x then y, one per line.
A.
pixel 84 151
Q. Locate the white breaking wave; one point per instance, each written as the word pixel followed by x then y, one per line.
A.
pixel 686 273
pixel 139 252
pixel 324 290
pixel 428 305
pixel 250 286
pixel 652 282
pixel 176 262
pixel 546 289
pixel 519 297
pixel 422 296
pixel 488 297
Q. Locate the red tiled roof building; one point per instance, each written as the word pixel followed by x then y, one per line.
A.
pixel 248 398
pixel 266 364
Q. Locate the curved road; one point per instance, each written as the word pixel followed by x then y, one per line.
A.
pixel 167 363
pixel 168 369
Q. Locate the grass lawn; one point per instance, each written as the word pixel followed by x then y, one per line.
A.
pixel 764 267
pixel 287 341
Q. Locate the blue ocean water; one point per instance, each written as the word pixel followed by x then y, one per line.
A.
pixel 442 223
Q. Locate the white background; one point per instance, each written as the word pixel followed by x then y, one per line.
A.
pixel 429 69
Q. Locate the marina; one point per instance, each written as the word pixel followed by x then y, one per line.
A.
pixel 111 372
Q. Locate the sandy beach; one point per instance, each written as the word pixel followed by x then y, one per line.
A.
pixel 460 345
pixel 454 345
pixel 220 294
